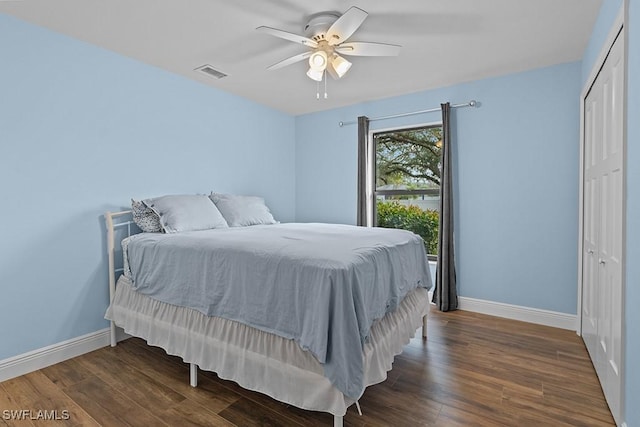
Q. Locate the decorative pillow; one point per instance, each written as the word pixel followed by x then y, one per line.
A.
pixel 146 219
pixel 186 213
pixel 240 211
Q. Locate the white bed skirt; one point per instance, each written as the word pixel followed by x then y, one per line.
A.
pixel 259 360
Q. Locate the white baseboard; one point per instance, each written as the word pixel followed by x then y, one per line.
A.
pixel 517 312
pixel 56 353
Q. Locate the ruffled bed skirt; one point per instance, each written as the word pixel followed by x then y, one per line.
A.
pixel 259 360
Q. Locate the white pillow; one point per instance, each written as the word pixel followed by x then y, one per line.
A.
pixel 240 211
pixel 186 213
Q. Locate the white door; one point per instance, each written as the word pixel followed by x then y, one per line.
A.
pixel 602 287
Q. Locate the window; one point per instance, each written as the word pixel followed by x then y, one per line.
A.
pixel 407 181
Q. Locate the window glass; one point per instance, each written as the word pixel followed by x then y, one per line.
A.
pixel 407 181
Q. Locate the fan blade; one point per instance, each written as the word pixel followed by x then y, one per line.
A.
pixel 290 61
pixel 368 49
pixel 289 36
pixel 345 26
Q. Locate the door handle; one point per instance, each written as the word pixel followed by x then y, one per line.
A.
pixel 590 251
pixel 603 262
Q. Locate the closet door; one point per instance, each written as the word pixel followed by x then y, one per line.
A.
pixel 602 308
pixel 591 220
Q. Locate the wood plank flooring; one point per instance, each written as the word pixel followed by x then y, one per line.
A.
pixel 473 370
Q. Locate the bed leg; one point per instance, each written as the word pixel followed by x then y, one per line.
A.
pixel 424 326
pixel 337 421
pixel 193 375
pixel 112 335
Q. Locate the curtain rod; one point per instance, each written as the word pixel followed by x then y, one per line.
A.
pixel 471 103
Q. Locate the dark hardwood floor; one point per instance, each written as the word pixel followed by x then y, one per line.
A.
pixel 474 370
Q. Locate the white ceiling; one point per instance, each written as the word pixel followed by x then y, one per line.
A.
pixel 444 42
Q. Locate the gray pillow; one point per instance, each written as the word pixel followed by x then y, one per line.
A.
pixel 186 213
pixel 240 211
pixel 146 219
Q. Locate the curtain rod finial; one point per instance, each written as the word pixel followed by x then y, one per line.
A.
pixel 341 124
pixel 472 103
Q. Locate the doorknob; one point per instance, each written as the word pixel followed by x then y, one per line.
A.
pixel 603 262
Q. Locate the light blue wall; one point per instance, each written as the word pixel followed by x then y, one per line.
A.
pixel 81 131
pixel 632 320
pixel 516 177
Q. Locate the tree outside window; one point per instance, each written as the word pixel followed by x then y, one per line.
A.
pixel 408 181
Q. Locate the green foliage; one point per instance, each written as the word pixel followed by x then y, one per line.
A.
pixel 410 157
pixel 422 222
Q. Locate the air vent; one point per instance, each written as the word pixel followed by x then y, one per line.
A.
pixel 210 71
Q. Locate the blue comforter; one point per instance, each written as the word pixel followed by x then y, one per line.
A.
pixel 322 285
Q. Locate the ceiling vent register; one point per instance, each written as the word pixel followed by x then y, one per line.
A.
pixel 211 72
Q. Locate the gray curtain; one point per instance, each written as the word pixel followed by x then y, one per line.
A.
pixel 363 135
pixel 445 296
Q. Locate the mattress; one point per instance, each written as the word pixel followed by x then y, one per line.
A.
pixel 259 360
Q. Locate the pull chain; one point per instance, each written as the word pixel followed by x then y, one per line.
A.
pixel 324 74
pixel 324 77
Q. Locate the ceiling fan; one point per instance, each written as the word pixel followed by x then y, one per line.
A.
pixel 326 35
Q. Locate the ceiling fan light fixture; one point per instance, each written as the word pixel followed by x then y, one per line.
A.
pixel 326 37
pixel 340 65
pixel 318 60
pixel 315 74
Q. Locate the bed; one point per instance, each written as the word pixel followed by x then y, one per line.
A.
pixel 288 310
